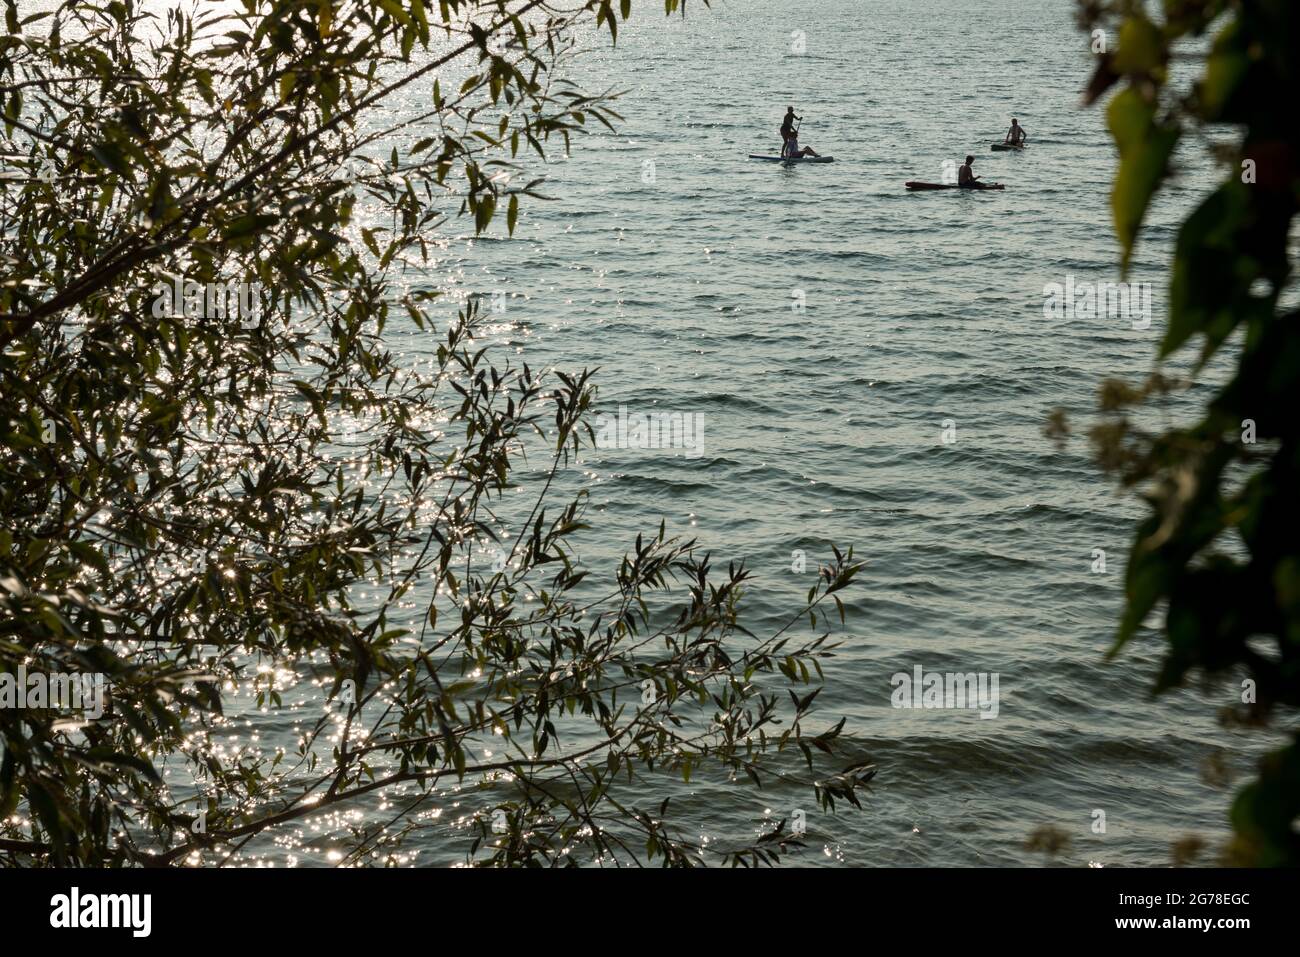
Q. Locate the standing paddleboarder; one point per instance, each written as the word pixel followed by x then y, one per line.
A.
pixel 788 130
pixel 790 137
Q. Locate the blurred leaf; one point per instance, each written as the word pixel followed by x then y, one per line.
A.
pixel 1144 148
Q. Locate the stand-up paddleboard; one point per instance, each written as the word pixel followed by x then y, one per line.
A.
pixel 918 185
pixel 793 159
pixel 1001 147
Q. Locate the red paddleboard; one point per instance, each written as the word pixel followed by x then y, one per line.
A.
pixel 914 184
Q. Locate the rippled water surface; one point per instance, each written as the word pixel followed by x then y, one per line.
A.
pixel 678 267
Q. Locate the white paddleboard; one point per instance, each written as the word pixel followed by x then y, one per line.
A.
pixel 793 159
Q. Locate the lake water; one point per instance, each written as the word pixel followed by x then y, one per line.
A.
pixel 832 329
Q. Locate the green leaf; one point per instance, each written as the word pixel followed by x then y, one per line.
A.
pixel 1207 278
pixel 394 9
pixel 1144 148
pixel 248 225
pixel 1146 580
pixel 1225 70
pixel 110 155
pixel 1141 46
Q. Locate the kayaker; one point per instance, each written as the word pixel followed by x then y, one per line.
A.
pixel 966 178
pixel 1015 135
pixel 787 129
